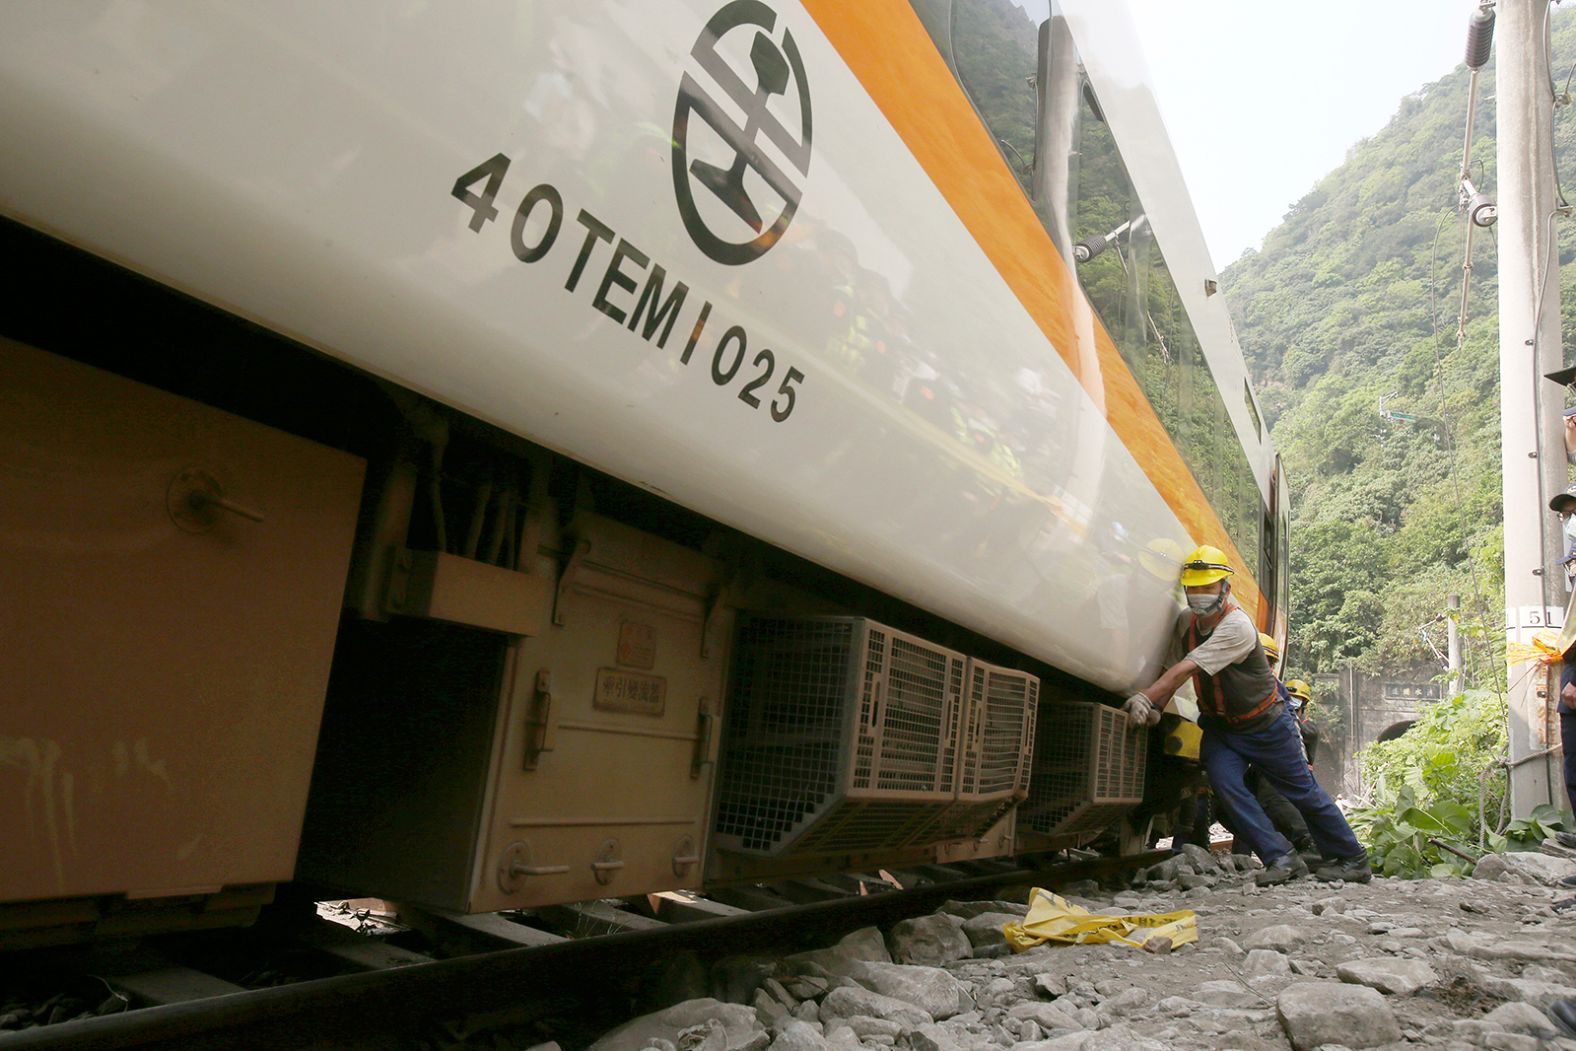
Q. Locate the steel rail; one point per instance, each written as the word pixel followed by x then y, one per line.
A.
pixel 387 1007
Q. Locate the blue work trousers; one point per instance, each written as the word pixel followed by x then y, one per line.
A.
pixel 1568 746
pixel 1276 753
pixel 1568 733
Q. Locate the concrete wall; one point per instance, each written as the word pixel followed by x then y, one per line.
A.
pixel 1368 707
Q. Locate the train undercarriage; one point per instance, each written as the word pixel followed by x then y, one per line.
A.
pixel 286 621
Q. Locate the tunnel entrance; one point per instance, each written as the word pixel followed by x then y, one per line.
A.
pixel 1395 730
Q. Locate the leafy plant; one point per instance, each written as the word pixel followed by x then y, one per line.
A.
pixel 1404 838
pixel 1443 753
pixel 1528 832
pixel 1425 790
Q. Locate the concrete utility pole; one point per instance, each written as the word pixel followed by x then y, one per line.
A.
pixel 1532 446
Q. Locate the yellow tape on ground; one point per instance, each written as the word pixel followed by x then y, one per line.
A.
pixel 1052 919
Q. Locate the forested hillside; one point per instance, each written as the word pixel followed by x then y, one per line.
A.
pixel 1352 298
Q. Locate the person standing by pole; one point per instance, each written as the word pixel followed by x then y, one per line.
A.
pixel 1245 723
pixel 1564 505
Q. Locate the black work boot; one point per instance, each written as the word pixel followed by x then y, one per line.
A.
pixel 1283 869
pixel 1352 870
pixel 1309 853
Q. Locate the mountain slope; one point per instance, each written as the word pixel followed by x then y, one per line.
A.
pixel 1353 298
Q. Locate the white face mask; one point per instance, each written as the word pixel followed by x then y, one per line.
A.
pixel 1204 605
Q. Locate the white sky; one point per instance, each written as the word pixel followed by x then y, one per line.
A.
pixel 1262 97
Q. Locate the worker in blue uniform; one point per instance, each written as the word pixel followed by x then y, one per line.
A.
pixel 1246 724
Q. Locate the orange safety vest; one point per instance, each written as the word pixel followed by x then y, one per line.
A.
pixel 1213 700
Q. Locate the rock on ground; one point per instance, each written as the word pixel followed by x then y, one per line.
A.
pixel 799 1036
pixel 1394 965
pixel 930 989
pixel 1049 1017
pixel 1388 974
pixel 1520 1018
pixel 846 1003
pixel 986 928
pixel 1281 938
pixel 1319 1013
pixel 738 1025
pixel 929 940
pixel 1266 961
pixel 866 945
pixel 1521 867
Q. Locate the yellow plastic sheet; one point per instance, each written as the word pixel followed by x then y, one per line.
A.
pixel 1546 647
pixel 1052 919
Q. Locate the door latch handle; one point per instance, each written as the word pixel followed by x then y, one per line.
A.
pixel 540 721
pixel 194 495
pixel 225 504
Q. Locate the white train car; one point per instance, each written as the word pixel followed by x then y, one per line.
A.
pixel 420 423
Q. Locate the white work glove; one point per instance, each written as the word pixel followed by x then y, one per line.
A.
pixel 1141 711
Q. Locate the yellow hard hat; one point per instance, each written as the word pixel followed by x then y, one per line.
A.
pixel 1205 566
pixel 1271 648
pixel 1300 690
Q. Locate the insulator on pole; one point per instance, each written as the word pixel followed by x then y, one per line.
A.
pixel 1089 247
pixel 1480 38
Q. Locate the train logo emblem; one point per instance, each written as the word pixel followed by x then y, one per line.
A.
pixel 729 175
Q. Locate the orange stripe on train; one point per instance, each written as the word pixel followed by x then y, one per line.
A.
pixel 888 50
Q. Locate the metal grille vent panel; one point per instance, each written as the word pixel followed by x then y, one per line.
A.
pixel 837 737
pixel 782 762
pixel 1088 769
pixel 996 744
pixel 922 693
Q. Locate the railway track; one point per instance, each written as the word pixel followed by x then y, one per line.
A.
pixel 402 998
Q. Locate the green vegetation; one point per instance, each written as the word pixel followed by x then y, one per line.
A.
pixel 1438 792
pixel 1353 298
pixel 1425 787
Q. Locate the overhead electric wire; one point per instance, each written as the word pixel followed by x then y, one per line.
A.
pixel 1559 99
pixel 1479 596
pixel 1548 264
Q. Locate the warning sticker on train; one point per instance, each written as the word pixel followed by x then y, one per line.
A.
pixel 725 178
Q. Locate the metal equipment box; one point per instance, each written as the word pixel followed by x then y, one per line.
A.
pixel 842 735
pixel 170 585
pixel 569 762
pixel 1088 769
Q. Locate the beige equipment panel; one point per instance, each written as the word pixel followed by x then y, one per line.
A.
pixel 997 842
pixel 606 743
pixel 170 584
